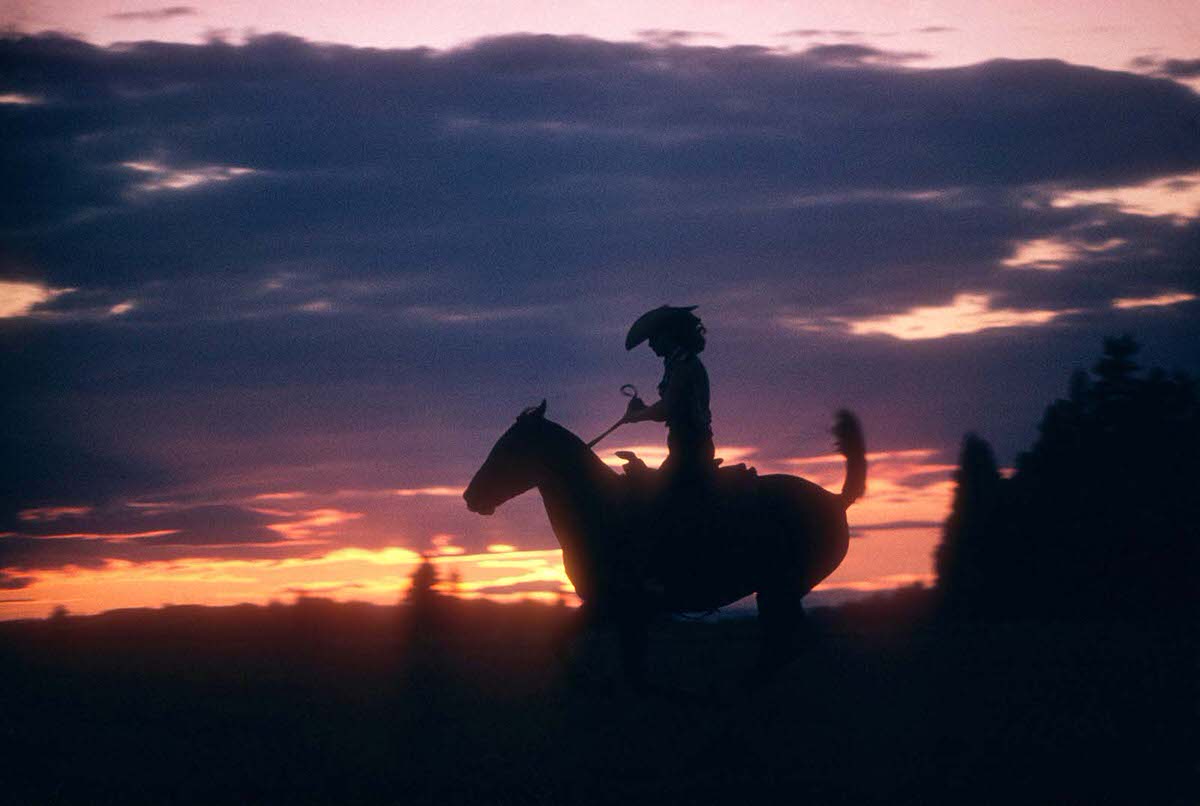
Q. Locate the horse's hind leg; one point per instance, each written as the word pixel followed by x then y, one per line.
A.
pixel 634 633
pixel 781 619
pixel 581 645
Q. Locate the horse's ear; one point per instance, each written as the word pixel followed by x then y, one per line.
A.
pixel 534 411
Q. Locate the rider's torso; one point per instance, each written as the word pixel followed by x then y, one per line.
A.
pixel 684 390
pixel 685 393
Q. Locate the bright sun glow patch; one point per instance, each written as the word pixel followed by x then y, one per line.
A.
pixel 19 99
pixel 967 313
pixel 409 492
pixel 19 298
pixel 1052 254
pixel 1152 302
pixel 1175 196
pixel 162 177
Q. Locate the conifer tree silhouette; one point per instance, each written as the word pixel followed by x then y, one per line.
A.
pixel 424 581
pixel 1100 518
pixel 968 548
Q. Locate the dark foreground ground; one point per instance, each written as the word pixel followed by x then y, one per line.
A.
pixel 324 703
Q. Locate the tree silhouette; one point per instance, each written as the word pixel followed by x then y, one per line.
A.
pixel 421 625
pixel 969 539
pixel 424 579
pixel 1100 517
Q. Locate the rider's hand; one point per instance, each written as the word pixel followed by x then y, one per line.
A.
pixel 636 404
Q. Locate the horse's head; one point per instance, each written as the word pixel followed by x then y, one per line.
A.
pixel 513 465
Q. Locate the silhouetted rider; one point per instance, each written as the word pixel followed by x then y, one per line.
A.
pixel 677 336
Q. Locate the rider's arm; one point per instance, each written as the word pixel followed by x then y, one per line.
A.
pixel 655 411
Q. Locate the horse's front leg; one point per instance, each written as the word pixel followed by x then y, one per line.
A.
pixel 634 630
pixel 578 646
pixel 574 627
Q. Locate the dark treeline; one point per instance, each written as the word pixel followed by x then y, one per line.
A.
pixel 1099 519
pixel 444 700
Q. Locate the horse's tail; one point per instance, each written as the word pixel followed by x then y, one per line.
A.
pixel 850 443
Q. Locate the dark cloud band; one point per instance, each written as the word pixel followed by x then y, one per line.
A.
pixel 348 266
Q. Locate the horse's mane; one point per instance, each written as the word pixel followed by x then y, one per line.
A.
pixel 570 440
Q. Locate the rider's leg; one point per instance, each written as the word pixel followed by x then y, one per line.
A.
pixel 681 508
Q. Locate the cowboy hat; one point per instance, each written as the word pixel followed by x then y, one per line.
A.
pixel 651 322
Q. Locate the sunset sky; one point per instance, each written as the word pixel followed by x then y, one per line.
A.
pixel 272 281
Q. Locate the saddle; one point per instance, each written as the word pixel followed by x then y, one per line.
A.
pixel 728 483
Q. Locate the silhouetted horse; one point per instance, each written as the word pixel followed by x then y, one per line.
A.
pixel 775 535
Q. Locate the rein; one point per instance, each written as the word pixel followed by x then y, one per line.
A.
pixel 630 391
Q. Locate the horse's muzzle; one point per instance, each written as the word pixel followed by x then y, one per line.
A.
pixel 476 507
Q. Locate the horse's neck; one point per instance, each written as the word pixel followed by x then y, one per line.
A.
pixel 576 488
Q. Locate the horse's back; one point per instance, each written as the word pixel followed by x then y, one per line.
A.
pixel 800 490
pixel 813 532
pixel 779 529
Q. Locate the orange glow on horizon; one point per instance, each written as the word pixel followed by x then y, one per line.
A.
pixel 898 524
pixel 374 575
